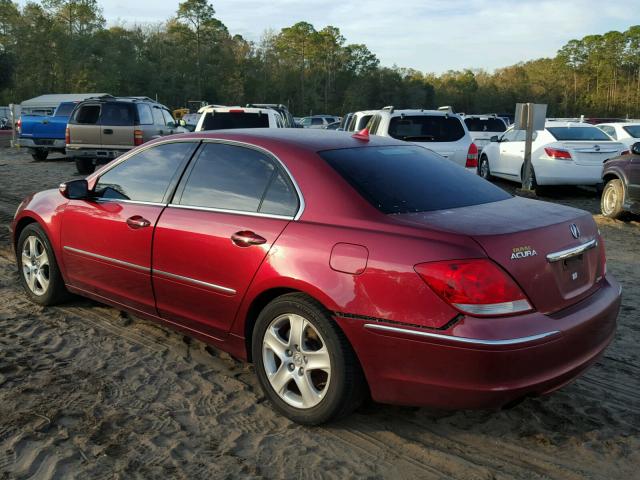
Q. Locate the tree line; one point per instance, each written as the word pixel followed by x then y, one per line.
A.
pixel 60 46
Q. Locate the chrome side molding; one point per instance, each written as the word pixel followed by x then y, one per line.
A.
pixel 466 340
pixel 107 259
pixel 572 252
pixel 200 283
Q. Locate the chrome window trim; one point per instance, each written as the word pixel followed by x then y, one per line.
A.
pixel 236 212
pixel 571 252
pixel 466 340
pixel 107 259
pixel 135 202
pixel 212 286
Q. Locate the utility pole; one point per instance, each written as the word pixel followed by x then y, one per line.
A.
pixel 527 170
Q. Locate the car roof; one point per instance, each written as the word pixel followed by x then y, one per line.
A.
pixel 265 110
pixel 418 112
pixel 618 124
pixel 555 123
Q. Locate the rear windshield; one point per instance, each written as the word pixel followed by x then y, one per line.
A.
pixel 578 133
pixel 485 125
pixel 117 114
pixel 426 128
pixel 65 109
pixel 633 130
pixel 404 179
pixel 222 120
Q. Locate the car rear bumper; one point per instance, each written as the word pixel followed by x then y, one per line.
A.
pixel 562 172
pixel 102 155
pixel 484 363
pixel 41 143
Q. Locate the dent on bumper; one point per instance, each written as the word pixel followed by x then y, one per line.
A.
pixel 461 368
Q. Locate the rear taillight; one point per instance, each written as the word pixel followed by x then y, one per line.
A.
pixel 19 126
pixel 557 154
pixel 477 287
pixel 472 156
pixel 67 136
pixel 137 137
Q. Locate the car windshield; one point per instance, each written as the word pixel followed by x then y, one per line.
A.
pixel 222 120
pixel 426 128
pixel 485 125
pixel 633 130
pixel 578 133
pixel 405 179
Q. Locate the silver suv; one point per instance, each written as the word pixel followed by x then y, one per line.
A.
pixel 102 128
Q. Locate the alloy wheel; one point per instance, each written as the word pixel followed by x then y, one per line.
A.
pixel 35 265
pixel 296 361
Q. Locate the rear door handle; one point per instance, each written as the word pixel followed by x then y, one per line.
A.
pixel 108 131
pixel 246 238
pixel 137 221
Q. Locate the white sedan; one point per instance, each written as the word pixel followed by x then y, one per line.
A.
pixel 564 153
pixel 623 132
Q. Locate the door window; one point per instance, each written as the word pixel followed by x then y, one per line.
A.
pixel 509 136
pixel 158 119
pixel 145 176
pixel 168 119
pixel 144 114
pixel 88 114
pixel 229 177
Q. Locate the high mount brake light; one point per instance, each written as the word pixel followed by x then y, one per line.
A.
pixel 472 156
pixel 557 154
pixel 477 287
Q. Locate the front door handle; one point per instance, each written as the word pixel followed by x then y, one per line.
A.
pixel 137 221
pixel 108 131
pixel 246 238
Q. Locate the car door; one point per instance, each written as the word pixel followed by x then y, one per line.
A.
pixel 107 238
pixel 512 154
pixel 232 204
pixel 498 161
pixel 633 175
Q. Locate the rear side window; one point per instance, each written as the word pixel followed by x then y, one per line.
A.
pixel 426 128
pixel 117 114
pixel 64 109
pixel 168 119
pixel 222 120
pixel 406 179
pixel 146 176
pixel 578 133
pixel 144 114
pixel 228 177
pixel 280 197
pixel 88 114
pixel 485 125
pixel 316 121
pixel 633 130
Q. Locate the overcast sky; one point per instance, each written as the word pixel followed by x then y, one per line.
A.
pixel 429 35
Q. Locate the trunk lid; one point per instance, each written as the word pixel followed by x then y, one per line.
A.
pixel 592 152
pixel 518 234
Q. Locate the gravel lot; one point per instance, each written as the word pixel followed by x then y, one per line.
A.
pixel 87 392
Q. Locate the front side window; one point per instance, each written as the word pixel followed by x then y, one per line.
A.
pixel 426 128
pixel 88 114
pixel 145 176
pixel 229 177
pixel 168 119
pixel 405 179
pixel 509 136
pixel 578 133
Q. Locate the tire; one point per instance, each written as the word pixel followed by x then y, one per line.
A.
pixel 483 168
pixel 39 155
pixel 85 166
pixel 612 200
pixel 331 392
pixel 38 269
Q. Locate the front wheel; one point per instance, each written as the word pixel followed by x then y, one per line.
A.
pixel 39 273
pixel 85 166
pixel 611 202
pixel 305 365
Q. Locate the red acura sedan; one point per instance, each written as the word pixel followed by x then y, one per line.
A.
pixel 342 266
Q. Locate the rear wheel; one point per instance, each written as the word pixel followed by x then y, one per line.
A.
pixel 305 365
pixel 39 155
pixel 611 202
pixel 85 166
pixel 484 170
pixel 39 271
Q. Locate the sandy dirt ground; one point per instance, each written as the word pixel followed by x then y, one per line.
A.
pixel 87 392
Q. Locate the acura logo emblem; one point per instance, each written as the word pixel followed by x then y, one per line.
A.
pixel 575 231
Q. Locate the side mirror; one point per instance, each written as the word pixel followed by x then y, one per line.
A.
pixel 635 148
pixel 75 189
pixel 183 123
pixel 495 138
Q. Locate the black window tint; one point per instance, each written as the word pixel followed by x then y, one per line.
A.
pixel 578 133
pixel 144 114
pixel 158 119
pixel 145 176
pixel 426 128
pixel 410 179
pixel 65 109
pixel 229 178
pixel 633 130
pixel 222 120
pixel 316 121
pixel 280 198
pixel 88 114
pixel 373 124
pixel 362 122
pixel 485 124
pixel 117 114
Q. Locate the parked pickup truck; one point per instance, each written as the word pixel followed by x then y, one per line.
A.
pixel 42 134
